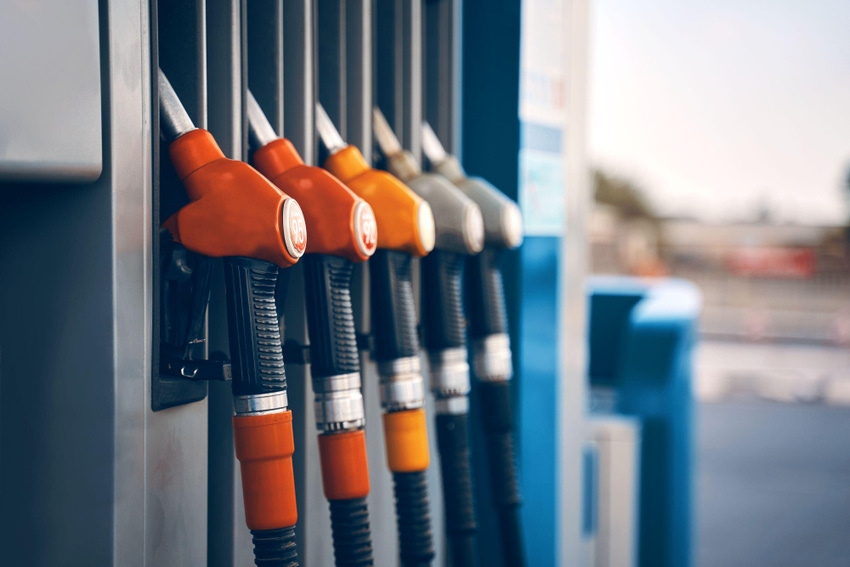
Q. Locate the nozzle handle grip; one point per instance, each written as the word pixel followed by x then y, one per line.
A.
pixel 352 536
pixel 330 319
pixel 485 295
pixel 456 472
pixel 442 301
pixel 499 430
pixel 254 331
pixel 416 547
pixel 393 308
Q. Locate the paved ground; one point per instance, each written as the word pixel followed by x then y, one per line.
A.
pixel 773 371
pixel 773 485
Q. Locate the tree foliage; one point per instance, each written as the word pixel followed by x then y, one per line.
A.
pixel 623 195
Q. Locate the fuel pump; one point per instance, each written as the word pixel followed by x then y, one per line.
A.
pixel 405 231
pixel 237 214
pixel 488 329
pixel 344 231
pixel 459 233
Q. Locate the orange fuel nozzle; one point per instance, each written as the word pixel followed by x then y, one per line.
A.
pixel 405 221
pixel 234 211
pixel 340 223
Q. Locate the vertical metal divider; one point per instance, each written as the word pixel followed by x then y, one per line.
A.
pixel 176 440
pixel 397 60
pixel 489 140
pixel 442 70
pixel 356 76
pixel 344 60
pixel 298 81
pixel 229 541
pixel 443 91
pixel 398 68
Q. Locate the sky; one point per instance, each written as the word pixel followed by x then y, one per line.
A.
pixel 717 109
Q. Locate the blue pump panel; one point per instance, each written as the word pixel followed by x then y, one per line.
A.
pixel 538 354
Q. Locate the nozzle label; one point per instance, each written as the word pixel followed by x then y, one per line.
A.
pixel 295 228
pixel 366 229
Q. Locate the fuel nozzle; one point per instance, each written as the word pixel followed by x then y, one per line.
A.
pixel 405 221
pixel 405 230
pixel 459 234
pixel 502 217
pixel 330 206
pixel 503 230
pixel 488 329
pixel 236 213
pixel 459 225
pixel 343 231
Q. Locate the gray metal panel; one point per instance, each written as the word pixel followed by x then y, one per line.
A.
pixel 265 58
pixel 175 440
pixel 298 78
pixel 99 478
pixel 398 68
pixel 229 540
pixel 314 529
pixel 57 418
pixel 331 61
pixel 358 51
pixel 442 70
pixel 313 532
pixel 50 104
pixel 128 159
pixel 617 440
pixel 573 271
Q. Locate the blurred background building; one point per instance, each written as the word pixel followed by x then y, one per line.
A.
pixel 719 134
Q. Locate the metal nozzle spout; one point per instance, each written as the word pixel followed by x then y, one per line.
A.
pixel 386 138
pixel 441 162
pixel 174 120
pixel 260 130
pixel 431 146
pixel 401 163
pixel 327 131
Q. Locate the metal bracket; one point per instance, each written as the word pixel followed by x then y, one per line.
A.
pixel 197 370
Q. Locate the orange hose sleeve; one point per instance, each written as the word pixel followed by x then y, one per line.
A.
pixel 264 446
pixel 345 468
pixel 395 205
pixel 234 211
pixel 406 438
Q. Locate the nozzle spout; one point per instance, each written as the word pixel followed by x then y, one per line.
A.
pixel 386 138
pixel 260 130
pixel 327 131
pixel 431 146
pixel 174 120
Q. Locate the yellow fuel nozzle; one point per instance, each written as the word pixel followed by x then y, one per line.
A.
pixel 405 221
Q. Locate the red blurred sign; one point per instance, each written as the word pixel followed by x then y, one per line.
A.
pixel 772 262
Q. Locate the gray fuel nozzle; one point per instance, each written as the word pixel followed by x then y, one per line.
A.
pixel 458 220
pixel 502 217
